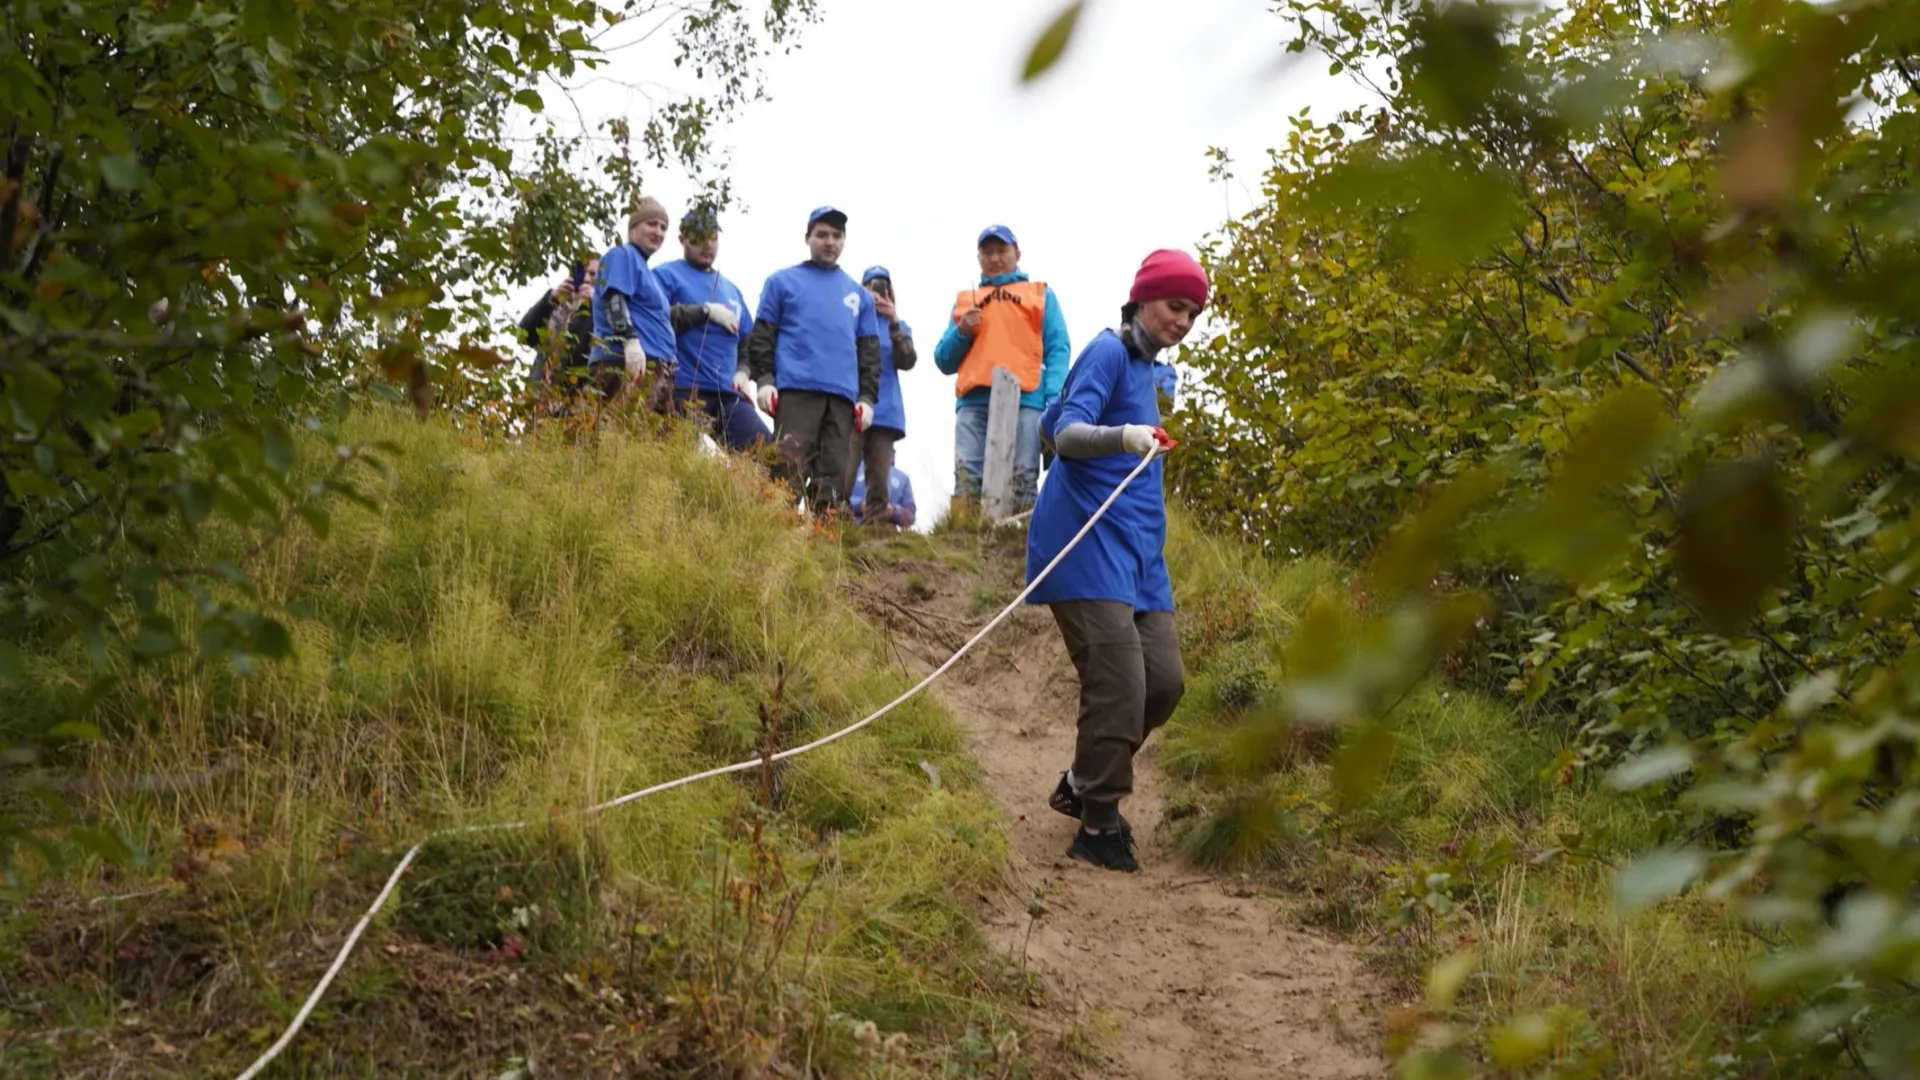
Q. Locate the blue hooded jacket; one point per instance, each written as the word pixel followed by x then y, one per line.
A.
pixel 1056 351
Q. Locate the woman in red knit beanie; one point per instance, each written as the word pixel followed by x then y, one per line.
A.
pixel 1111 596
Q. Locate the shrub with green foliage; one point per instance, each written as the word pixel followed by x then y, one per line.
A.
pixel 221 220
pixel 1593 339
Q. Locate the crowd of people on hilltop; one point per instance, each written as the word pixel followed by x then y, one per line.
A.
pixel 822 355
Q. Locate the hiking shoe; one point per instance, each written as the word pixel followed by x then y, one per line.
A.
pixel 1110 850
pixel 1066 801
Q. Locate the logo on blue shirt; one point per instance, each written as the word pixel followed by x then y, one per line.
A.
pixel 852 300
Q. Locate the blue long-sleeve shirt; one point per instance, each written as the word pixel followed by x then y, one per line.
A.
pixel 1055 352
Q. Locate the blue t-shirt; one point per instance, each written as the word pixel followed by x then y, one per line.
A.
pixel 1123 558
pixel 708 354
pixel 890 411
pixel 818 313
pixel 624 270
pixel 1166 379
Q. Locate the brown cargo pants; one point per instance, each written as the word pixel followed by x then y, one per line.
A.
pixel 1131 678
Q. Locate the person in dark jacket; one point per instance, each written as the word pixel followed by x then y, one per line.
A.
pixel 873 448
pixel 1111 594
pixel 711 323
pixel 815 355
pixel 559 330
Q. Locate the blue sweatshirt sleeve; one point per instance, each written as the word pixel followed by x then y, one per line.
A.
pixel 951 350
pixel 1056 350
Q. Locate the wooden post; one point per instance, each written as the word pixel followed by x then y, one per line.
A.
pixel 1003 435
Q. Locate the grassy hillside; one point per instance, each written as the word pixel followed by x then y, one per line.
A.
pixel 518 630
pixel 1479 838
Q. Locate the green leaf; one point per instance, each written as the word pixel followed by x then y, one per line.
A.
pixel 157 636
pixel 1362 761
pixel 1447 976
pixel 1523 1041
pixel 11 664
pixel 1052 42
pixel 271 640
pixel 1656 876
pixel 122 173
pixel 1663 763
pixel 276 447
pixel 1737 528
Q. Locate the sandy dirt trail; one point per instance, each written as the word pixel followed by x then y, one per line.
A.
pixel 1180 974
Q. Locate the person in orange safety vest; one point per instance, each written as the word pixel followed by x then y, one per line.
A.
pixel 1007 320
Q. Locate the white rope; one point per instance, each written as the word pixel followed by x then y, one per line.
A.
pixel 406 861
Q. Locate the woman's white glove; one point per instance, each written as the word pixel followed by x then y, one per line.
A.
pixel 1137 439
pixel 723 317
pixel 743 385
pixel 769 400
pixel 636 359
pixel 862 416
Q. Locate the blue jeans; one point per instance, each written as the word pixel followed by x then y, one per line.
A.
pixel 970 452
pixel 732 419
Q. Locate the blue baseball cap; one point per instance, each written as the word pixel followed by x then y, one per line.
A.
pixel 872 272
pixel 997 232
pixel 830 215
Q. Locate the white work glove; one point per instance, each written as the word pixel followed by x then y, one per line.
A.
pixel 636 359
pixel 723 317
pixel 768 400
pixel 862 416
pixel 743 385
pixel 1141 439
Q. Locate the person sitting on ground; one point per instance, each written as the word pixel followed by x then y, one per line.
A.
pixel 711 323
pixel 1111 595
pixel 1011 322
pixel 814 355
pixel 559 329
pixel 873 448
pixel 897 509
pixel 632 330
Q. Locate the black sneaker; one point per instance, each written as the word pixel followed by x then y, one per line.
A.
pixel 1110 850
pixel 1067 802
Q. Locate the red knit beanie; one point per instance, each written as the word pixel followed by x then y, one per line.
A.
pixel 1169 275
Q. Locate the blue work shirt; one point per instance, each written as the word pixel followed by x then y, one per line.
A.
pixel 708 354
pixel 890 411
pixel 819 313
pixel 624 270
pixel 1123 558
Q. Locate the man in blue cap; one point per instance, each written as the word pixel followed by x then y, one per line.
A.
pixel 1006 321
pixel 815 356
pixel 873 448
pixel 711 324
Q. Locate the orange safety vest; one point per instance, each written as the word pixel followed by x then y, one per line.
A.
pixel 1009 336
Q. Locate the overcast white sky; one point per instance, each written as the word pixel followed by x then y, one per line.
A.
pixel 909 116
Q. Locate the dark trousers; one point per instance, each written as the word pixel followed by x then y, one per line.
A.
pixel 875 447
pixel 655 383
pixel 1131 678
pixel 731 419
pixel 813 434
